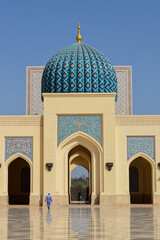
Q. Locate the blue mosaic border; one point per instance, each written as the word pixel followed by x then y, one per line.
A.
pixel 22 150
pixel 68 125
pixel 140 144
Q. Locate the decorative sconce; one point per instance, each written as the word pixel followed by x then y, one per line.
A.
pixel 158 164
pixel 49 166
pixel 0 165
pixel 109 165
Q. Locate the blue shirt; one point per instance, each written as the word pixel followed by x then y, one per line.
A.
pixel 48 199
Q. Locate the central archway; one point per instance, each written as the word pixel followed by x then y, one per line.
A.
pixel 96 176
pixel 79 165
pixel 140 181
pixel 19 182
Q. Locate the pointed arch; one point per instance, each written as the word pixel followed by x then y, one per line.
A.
pixel 79 187
pixel 79 153
pixel 146 163
pixel 79 156
pixel 81 137
pixel 18 155
pixel 9 164
pixel 95 149
pixel 145 156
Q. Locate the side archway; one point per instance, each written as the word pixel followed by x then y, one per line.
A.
pixel 141 179
pixel 19 180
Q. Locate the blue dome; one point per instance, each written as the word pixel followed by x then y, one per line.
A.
pixel 79 68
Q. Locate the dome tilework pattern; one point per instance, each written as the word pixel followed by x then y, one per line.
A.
pixel 79 68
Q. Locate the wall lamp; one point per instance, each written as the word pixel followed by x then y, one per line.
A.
pixel 109 165
pixel 49 166
pixel 158 164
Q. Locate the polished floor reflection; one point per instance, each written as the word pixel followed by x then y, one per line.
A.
pixel 80 222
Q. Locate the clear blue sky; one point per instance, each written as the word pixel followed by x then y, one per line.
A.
pixel 79 171
pixel 127 32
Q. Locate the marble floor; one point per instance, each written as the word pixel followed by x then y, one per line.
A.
pixel 80 222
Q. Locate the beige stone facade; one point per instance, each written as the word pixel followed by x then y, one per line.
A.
pixel 130 143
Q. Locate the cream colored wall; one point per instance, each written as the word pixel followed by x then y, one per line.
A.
pixel 79 104
pixel 112 186
pixel 136 126
pixel 22 126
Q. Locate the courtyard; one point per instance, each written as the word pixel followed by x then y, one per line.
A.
pixel 80 222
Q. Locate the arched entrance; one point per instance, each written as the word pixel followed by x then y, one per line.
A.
pixel 67 152
pixel 140 181
pixel 19 181
pixel 79 165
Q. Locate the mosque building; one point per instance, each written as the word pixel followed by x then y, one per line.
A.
pixel 79 113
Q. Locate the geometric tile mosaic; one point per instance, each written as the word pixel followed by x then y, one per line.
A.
pixel 79 68
pixel 37 106
pixel 21 145
pixel 88 124
pixel 34 104
pixel 121 105
pixel 140 144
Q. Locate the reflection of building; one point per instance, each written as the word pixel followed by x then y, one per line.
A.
pixel 76 125
pixel 78 222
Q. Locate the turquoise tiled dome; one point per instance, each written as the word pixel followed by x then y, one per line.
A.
pixel 79 68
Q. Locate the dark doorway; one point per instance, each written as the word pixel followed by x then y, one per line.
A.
pixel 25 180
pixel 19 182
pixel 140 181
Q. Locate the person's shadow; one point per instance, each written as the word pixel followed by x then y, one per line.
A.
pixel 49 217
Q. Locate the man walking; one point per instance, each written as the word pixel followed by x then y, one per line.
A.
pixel 48 200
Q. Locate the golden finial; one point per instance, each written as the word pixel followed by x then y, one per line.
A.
pixel 79 37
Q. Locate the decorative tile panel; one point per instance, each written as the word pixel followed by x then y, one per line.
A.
pixel 34 104
pixel 140 144
pixel 121 106
pixel 37 106
pixel 88 124
pixel 124 80
pixel 21 145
